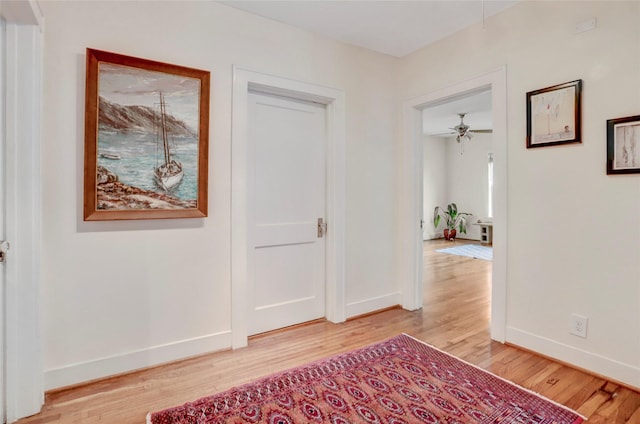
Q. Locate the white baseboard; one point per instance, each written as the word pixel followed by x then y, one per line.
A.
pixel 130 361
pixel 467 237
pixel 373 304
pixel 606 367
pixel 431 236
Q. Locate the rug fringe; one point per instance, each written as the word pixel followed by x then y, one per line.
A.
pixel 501 378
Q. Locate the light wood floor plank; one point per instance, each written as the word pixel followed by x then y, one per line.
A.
pixel 455 318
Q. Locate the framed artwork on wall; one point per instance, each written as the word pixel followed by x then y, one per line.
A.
pixel 554 114
pixel 623 145
pixel 146 139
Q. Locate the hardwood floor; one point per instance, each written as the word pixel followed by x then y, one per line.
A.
pixel 455 318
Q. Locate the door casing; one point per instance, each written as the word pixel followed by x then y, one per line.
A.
pixel 24 386
pixel 3 46
pixel 334 100
pixel 410 237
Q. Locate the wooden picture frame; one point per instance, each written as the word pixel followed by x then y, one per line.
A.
pixel 146 139
pixel 623 145
pixel 554 115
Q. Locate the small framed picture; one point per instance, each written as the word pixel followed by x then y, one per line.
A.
pixel 623 145
pixel 146 139
pixel 553 115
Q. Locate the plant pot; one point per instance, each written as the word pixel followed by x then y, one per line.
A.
pixel 449 234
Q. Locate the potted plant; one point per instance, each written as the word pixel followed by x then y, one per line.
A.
pixel 454 219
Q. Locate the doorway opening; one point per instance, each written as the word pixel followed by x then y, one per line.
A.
pixel 412 211
pixel 458 169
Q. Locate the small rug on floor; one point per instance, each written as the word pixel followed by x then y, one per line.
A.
pixel 471 250
pixel 398 381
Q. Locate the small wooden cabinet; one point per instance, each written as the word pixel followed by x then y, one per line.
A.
pixel 486 232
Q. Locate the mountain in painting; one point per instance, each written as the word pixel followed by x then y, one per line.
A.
pixel 119 118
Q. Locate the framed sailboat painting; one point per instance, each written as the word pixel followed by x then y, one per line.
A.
pixel 146 139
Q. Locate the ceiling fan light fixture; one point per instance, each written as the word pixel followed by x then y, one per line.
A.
pixel 462 132
pixel 464 137
pixel 461 129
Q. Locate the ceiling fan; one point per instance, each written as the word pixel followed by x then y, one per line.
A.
pixel 463 132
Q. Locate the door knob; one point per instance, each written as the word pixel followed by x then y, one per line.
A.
pixel 4 248
pixel 322 228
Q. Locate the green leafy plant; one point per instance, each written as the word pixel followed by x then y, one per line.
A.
pixel 454 219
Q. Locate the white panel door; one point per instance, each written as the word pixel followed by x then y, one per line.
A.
pixel 287 142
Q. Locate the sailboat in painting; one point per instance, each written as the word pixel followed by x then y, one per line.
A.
pixel 169 173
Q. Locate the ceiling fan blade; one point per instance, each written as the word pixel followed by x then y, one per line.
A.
pixel 482 131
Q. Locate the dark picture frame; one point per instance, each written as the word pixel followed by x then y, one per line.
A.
pixel 554 115
pixel 146 140
pixel 623 145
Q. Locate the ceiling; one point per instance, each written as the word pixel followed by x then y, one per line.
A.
pixel 438 120
pixel 393 27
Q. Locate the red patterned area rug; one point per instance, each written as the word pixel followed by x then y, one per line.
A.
pixel 398 381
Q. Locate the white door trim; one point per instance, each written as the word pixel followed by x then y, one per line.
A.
pixel 23 87
pixel 411 194
pixel 334 99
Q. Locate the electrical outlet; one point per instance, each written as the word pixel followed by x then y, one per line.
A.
pixel 578 325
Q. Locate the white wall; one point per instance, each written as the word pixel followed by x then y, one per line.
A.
pixel 467 183
pixel 573 233
pixel 123 295
pixel 434 183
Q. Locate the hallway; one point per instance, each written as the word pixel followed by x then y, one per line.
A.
pixel 455 318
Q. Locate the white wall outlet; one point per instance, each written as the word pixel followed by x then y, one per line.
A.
pixel 578 325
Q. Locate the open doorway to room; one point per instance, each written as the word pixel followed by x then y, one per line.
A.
pixel 458 165
pixel 414 218
pixel 458 169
